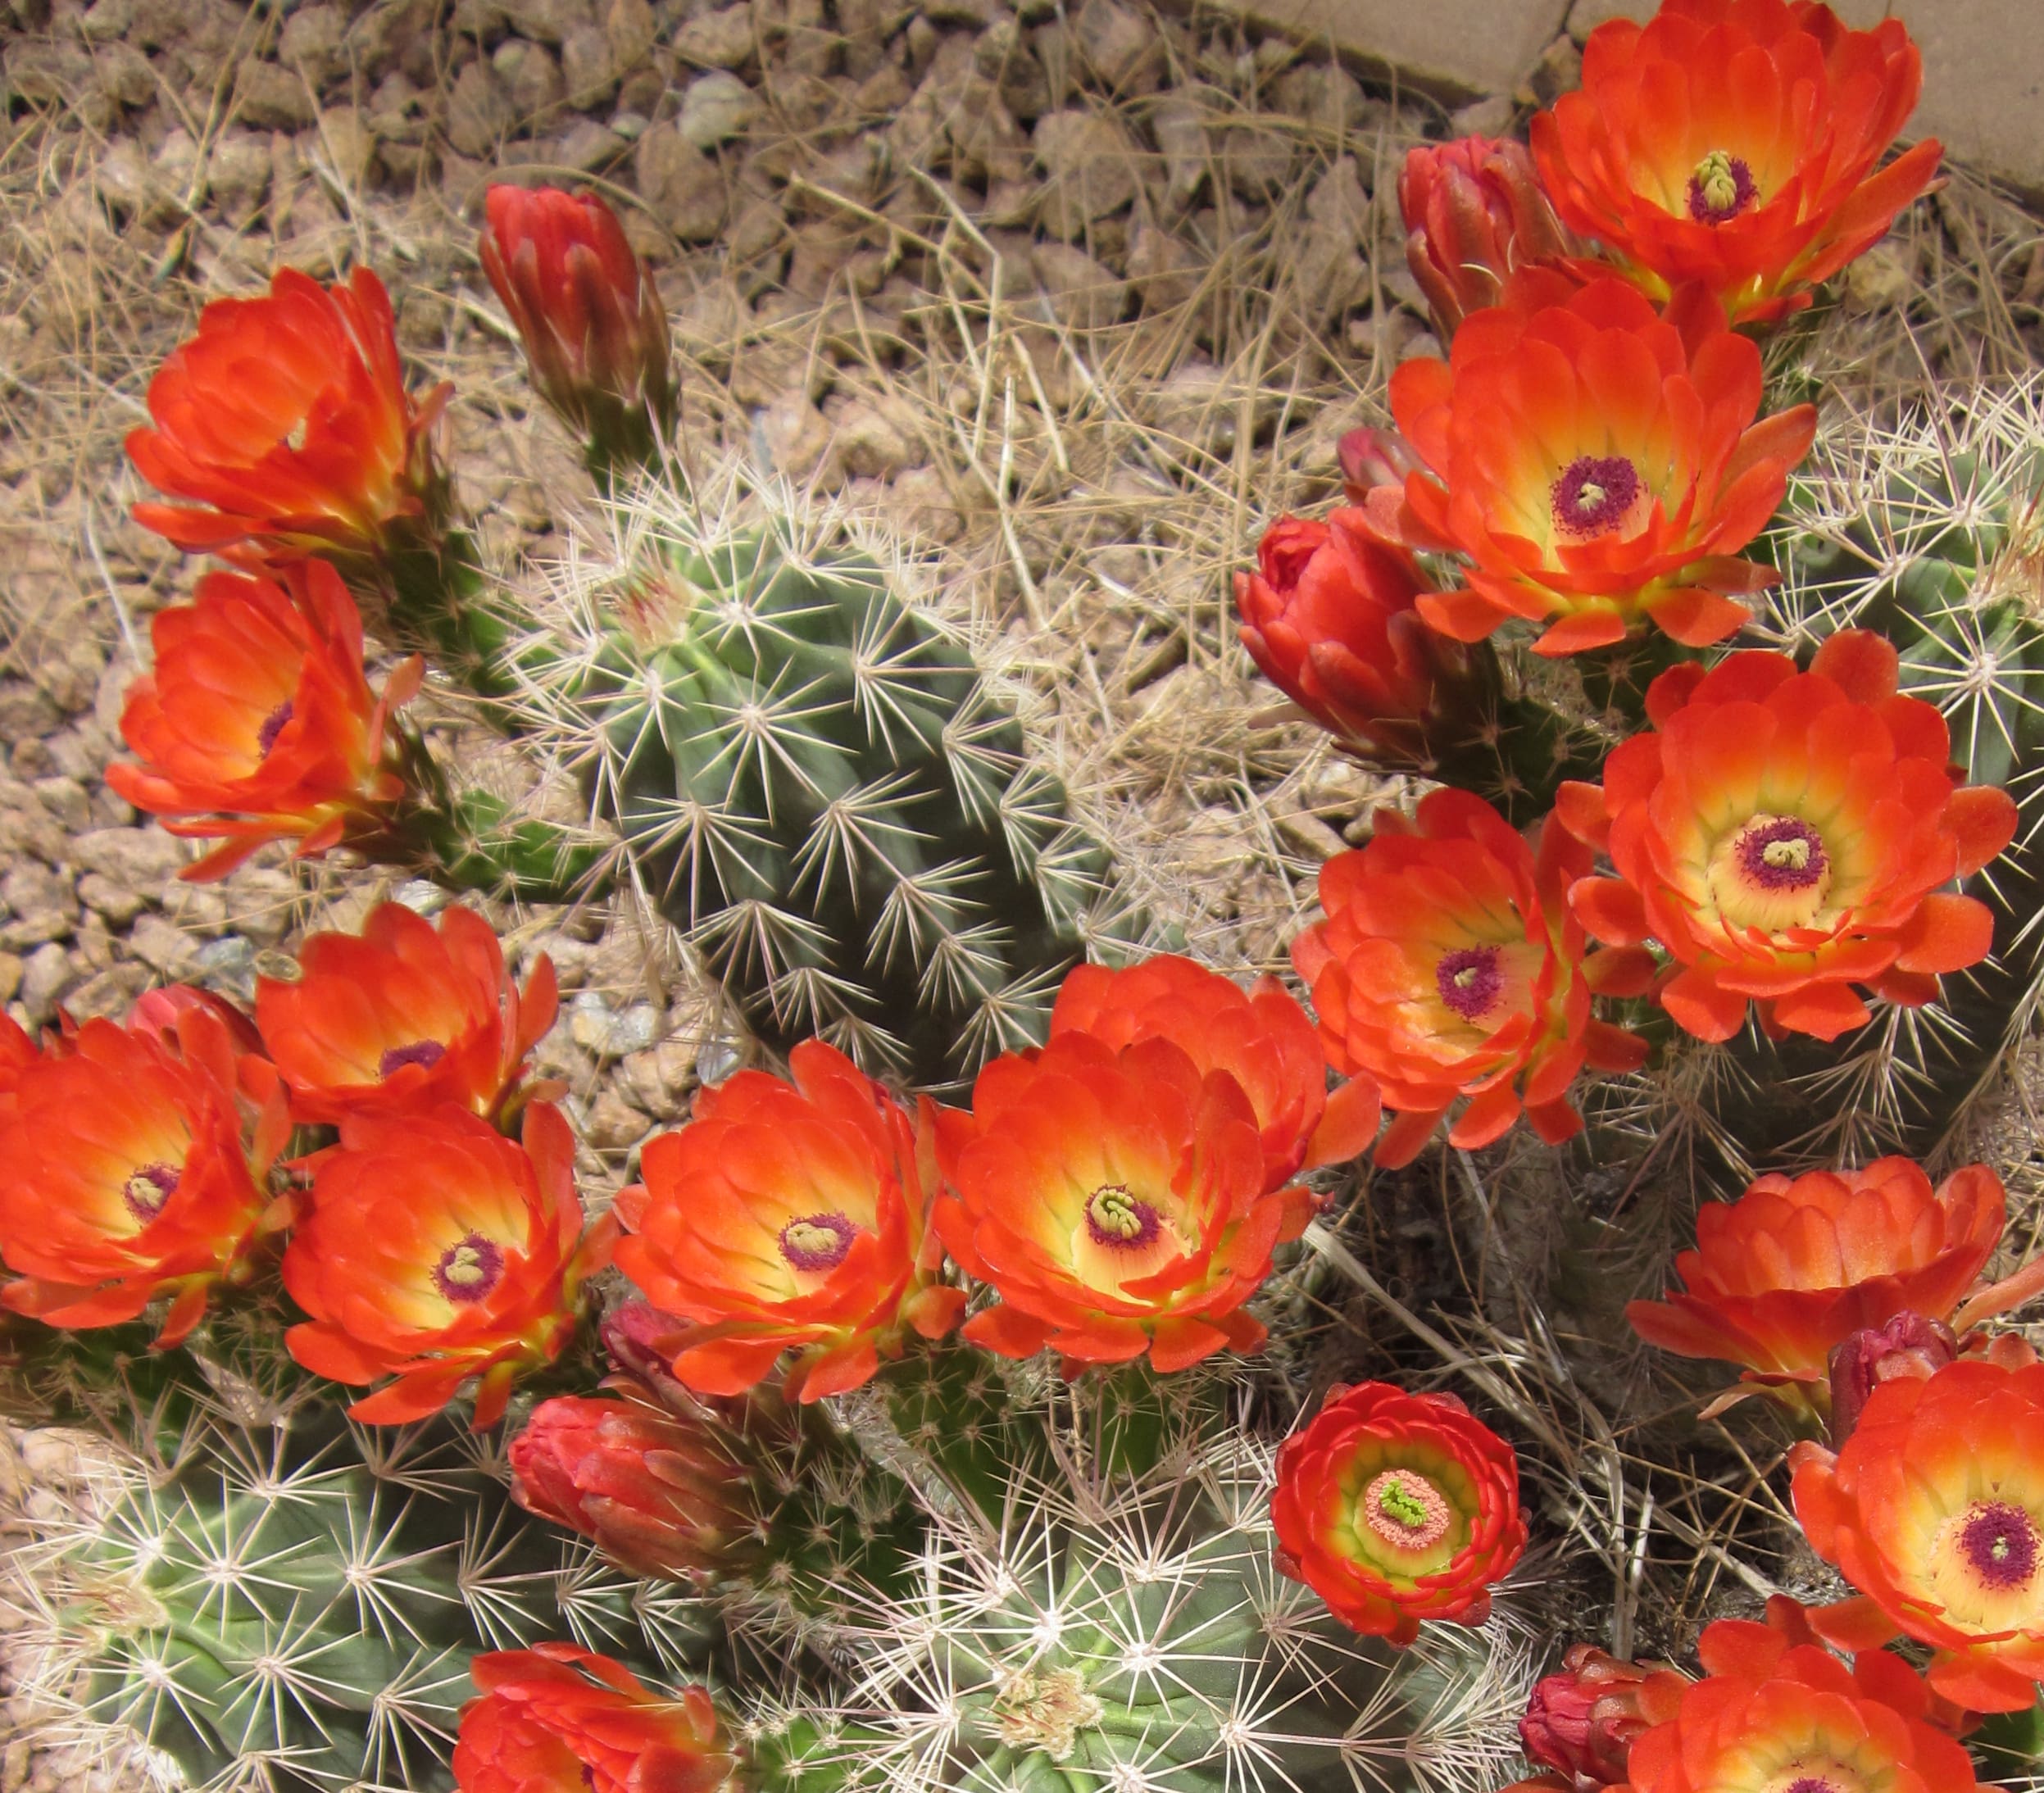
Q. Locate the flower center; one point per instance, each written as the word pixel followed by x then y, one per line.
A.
pixel 427 1053
pixel 272 727
pixel 469 1271
pixel 1720 188
pixel 1812 1783
pixel 1999 1542
pixel 1470 980
pixel 1780 853
pixel 1405 1509
pixel 148 1187
pixel 1593 494
pixel 1117 1218
pixel 817 1241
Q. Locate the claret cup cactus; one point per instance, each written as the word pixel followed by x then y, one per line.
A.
pixel 945 1405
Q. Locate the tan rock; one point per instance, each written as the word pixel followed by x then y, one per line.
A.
pixel 799 440
pixel 1091 165
pixel 685 188
pixel 1082 293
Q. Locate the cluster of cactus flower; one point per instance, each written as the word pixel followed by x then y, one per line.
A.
pixel 1001 1137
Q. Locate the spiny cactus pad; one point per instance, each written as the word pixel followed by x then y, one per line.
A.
pixel 815 780
pixel 294 1607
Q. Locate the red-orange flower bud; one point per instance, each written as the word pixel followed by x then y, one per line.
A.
pixel 436 1250
pixel 1370 458
pixel 1397 1507
pixel 1474 211
pixel 286 422
pixel 257 723
pixel 1909 1346
pixel 403 1019
pixel 656 1491
pixel 589 314
pixel 557 1717
pixel 1329 619
pixel 1582 1721
pixel 128 1176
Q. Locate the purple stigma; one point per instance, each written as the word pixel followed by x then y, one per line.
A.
pixel 1999 1542
pixel 469 1271
pixel 272 727
pixel 1721 188
pixel 815 1242
pixel 1114 1217
pixel 427 1053
pixel 1470 980
pixel 1593 493
pixel 148 1189
pixel 1811 1783
pixel 1783 855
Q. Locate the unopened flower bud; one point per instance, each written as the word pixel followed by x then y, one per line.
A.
pixel 1474 211
pixel 1371 458
pixel 1328 618
pixel 658 1493
pixel 1582 1721
pixel 1910 1345
pixel 586 308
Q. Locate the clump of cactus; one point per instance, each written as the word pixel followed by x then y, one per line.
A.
pixel 944 1450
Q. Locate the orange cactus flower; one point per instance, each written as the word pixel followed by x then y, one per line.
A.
pixel 438 1250
pixel 1396 1508
pixel 1474 215
pixel 557 1717
pixel 129 1176
pixel 404 1018
pixel 1329 619
pixel 588 312
pixel 1934 1509
pixel 257 723
pixel 286 422
pixel 1732 143
pixel 790 1216
pixel 1782 836
pixel 1777 1715
pixel 1788 1272
pixel 1262 1039
pixel 1449 966
pixel 1115 1201
pixel 1598 462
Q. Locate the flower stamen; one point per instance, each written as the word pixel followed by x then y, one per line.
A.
pixel 1998 1542
pixel 817 1241
pixel 1720 188
pixel 468 1271
pixel 1470 980
pixel 427 1053
pixel 1405 1509
pixel 1114 1217
pixel 1594 494
pixel 148 1189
